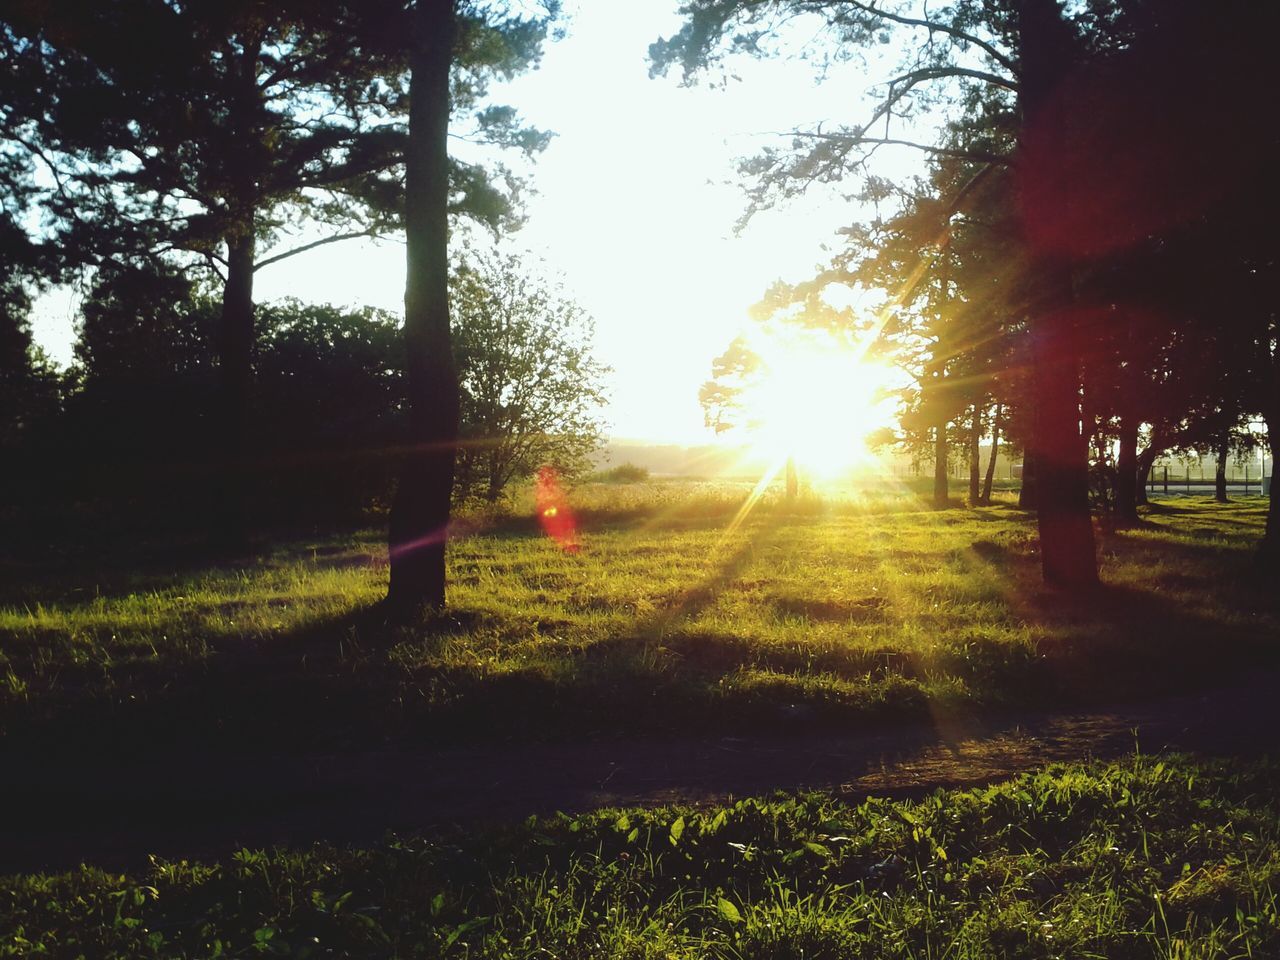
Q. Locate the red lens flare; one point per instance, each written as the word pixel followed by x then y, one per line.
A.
pixel 553 510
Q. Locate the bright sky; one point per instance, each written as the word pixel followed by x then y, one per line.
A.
pixel 633 210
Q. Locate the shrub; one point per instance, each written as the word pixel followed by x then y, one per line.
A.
pixel 625 473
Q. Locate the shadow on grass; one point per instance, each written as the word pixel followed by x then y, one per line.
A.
pixel 193 743
pixel 354 681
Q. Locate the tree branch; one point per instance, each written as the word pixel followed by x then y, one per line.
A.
pixel 977 156
pixel 371 232
pixel 939 73
pixel 932 25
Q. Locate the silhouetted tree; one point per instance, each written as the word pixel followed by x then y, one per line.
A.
pixel 437 32
pixel 1105 155
pixel 212 129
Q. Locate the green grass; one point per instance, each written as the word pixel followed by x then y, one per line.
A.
pixel 1145 858
pixel 834 612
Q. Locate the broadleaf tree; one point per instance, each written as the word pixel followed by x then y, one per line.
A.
pixel 531 389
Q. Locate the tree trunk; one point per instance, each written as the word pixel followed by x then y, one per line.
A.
pixel 1127 470
pixel 235 381
pixel 1067 555
pixel 1146 459
pixel 1268 556
pixel 420 510
pixel 1027 491
pixel 793 480
pixel 975 456
pixel 1220 473
pixel 995 452
pixel 940 480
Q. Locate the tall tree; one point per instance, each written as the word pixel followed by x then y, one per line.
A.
pixel 438 30
pixel 233 134
pixel 1106 153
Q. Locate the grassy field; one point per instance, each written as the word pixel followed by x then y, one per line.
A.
pixel 670 619
pixel 676 616
pixel 1151 858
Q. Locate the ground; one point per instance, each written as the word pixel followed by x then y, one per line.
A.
pixel 860 644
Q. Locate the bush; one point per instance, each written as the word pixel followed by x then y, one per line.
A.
pixel 624 473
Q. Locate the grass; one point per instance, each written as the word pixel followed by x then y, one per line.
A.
pixel 669 620
pixel 1148 858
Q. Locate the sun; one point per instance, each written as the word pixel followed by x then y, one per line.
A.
pixel 815 398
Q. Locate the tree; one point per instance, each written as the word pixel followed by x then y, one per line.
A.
pixel 1107 151
pixel 531 390
pixel 328 386
pixel 29 386
pixel 439 32
pixel 211 129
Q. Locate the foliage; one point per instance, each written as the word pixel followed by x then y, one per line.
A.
pixel 531 390
pixel 328 392
pixel 624 473
pixel 29 387
pixel 1149 857
pixel 180 126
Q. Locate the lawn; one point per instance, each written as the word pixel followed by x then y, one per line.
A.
pixel 1151 858
pixel 671 619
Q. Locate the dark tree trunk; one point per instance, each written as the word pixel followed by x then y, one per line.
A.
pixel 1268 557
pixel 995 452
pixel 420 510
pixel 793 480
pixel 975 456
pixel 235 382
pixel 1146 459
pixel 1220 472
pixel 494 484
pixel 940 480
pixel 1127 470
pixel 1067 555
pixel 1027 491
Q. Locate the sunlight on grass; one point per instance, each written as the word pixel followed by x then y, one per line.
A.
pixel 828 612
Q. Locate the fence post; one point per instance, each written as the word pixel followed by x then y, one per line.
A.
pixel 1166 479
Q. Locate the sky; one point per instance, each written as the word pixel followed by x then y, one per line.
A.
pixel 635 209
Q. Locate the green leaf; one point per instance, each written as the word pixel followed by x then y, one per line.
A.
pixel 464 928
pixel 677 830
pixel 817 848
pixel 727 911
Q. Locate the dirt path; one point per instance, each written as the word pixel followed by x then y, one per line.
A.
pixel 115 814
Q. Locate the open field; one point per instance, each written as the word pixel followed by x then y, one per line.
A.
pixel 833 614
pixel 191 704
pixel 1159 858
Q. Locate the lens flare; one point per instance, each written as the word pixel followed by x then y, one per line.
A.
pixel 553 511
